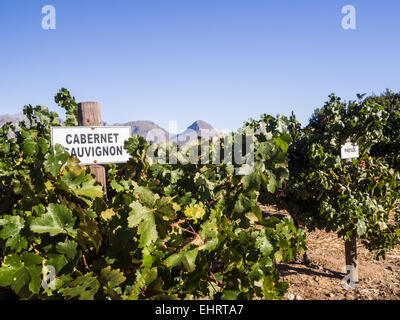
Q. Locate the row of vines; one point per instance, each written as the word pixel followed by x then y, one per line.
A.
pixel 190 231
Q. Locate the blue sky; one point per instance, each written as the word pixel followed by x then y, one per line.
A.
pixel 221 61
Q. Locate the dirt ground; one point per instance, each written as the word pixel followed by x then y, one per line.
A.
pixel 322 279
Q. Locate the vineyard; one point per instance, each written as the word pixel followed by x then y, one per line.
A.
pixel 179 230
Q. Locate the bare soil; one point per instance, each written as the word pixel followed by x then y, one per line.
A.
pixel 322 279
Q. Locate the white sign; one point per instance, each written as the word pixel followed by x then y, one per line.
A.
pixel 349 150
pixel 93 145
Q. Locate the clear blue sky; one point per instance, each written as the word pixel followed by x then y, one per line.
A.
pixel 222 61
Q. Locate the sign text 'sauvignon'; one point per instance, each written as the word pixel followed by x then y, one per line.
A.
pixel 93 145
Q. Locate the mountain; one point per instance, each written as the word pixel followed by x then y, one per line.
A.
pixel 148 130
pixel 14 118
pixel 196 129
pixel 153 132
pixel 200 125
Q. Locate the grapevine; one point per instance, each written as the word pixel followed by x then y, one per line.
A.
pixel 165 231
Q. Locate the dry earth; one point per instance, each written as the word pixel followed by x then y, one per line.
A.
pixel 322 279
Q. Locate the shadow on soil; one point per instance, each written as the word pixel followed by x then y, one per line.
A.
pixel 297 268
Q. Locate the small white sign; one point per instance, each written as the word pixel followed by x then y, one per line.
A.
pixel 349 150
pixel 93 145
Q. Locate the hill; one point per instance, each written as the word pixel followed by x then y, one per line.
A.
pixel 14 118
pixel 147 129
pixel 197 128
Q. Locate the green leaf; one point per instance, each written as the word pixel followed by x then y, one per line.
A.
pixel 257 212
pixel 189 259
pixel 58 219
pixel 282 144
pixel 35 273
pixel 272 184
pixel 11 231
pixel 173 260
pixel 244 203
pixel 30 258
pixel 147 230
pixel 58 261
pixel 55 160
pixel 17 243
pixel 68 248
pixel 84 287
pixel 143 217
pixel 22 275
pixel 146 196
pixel 83 184
pixel 264 246
pixel 245 169
pixel 230 294
pixel 43 145
pixel 116 186
pixel 144 278
pixel 12 225
pixel 147 276
pixel 278 256
pixel 251 180
pixel 6 276
pixel 137 214
pixel 21 279
pixel 113 277
pixel 185 258
pixel 361 228
pixel 107 214
pixel 30 146
pixel 167 208
pixel 89 235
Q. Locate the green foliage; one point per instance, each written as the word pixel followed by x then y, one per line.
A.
pixel 390 145
pixel 64 100
pixel 58 219
pixel 324 193
pixel 165 231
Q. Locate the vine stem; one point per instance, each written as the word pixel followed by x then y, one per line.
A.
pixel 219 196
pixel 191 232
pixel 220 284
pixel 177 225
pixel 194 232
pixel 85 264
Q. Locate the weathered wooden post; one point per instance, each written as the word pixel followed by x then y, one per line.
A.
pixel 93 143
pixel 89 114
pixel 350 247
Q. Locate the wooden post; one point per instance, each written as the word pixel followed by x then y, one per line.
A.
pixel 89 114
pixel 350 247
